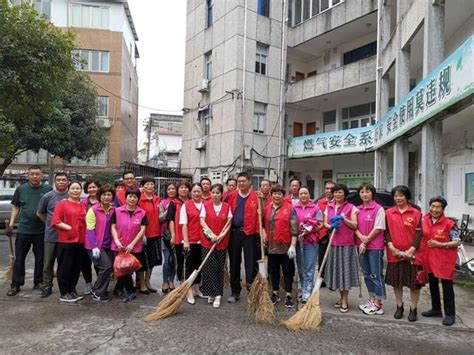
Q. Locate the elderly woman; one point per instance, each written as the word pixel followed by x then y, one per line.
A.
pixel 370 240
pixel 281 234
pixel 403 239
pixel 439 253
pixel 342 267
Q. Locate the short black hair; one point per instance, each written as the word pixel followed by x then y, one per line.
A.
pixel 204 179
pixel 339 187
pixel 184 182
pixel 61 173
pixel 329 182
pixel 91 181
pixel 230 179
pixel 34 167
pixel 146 179
pixel 135 192
pixel 126 172
pixel 196 184
pixel 439 199
pixel 265 180
pixel 404 190
pixel 245 175
pixel 219 187
pixel 307 188
pixel 277 188
pixel 294 178
pixel 368 186
pixel 106 188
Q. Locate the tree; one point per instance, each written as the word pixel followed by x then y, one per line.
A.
pixel 45 103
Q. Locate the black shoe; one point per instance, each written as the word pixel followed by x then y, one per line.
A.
pixel 412 315
pixel 37 286
pixel 449 320
pixel 432 313
pixel 275 298
pixel 46 292
pixel 399 312
pixel 13 291
pixel 233 298
pixel 289 302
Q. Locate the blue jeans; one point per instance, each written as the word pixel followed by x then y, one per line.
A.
pixel 310 260
pixel 371 263
pixel 168 264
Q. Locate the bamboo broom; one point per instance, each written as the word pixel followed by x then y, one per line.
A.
pixel 9 271
pixel 259 305
pixel 309 317
pixel 172 302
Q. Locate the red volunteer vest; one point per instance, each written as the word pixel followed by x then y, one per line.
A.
pixel 194 222
pixel 250 214
pixel 178 227
pixel 281 231
pixel 216 223
pixel 439 261
pixel 152 209
pixel 322 203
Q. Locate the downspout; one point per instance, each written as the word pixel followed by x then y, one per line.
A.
pixel 378 81
pixel 281 114
pixel 242 114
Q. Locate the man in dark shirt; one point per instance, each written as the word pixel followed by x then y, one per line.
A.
pixel 30 229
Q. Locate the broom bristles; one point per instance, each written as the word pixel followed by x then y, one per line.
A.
pixel 260 306
pixel 9 271
pixel 171 303
pixel 308 317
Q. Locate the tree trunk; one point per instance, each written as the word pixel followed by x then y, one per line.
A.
pixel 4 165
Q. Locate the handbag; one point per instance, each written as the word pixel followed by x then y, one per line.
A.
pixel 421 276
pixel 125 264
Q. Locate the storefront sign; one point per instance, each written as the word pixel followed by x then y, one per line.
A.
pixel 448 83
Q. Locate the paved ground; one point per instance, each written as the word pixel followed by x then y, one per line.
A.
pixel 30 324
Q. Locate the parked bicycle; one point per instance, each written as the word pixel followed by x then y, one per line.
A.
pixel 464 265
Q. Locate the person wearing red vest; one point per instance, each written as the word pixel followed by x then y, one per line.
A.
pixel 323 233
pixel 370 241
pixel 215 221
pixel 245 228
pixel 231 185
pixel 206 189
pixel 281 234
pixel 439 253
pixel 403 239
pixel 129 182
pixel 176 230
pixel 342 267
pixel 264 192
pixel 189 219
pixel 150 202
pixel 169 267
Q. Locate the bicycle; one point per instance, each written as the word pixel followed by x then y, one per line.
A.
pixel 464 265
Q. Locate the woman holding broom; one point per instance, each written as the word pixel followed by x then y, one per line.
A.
pixel 281 229
pixel 215 221
pixel 189 219
pixel 342 269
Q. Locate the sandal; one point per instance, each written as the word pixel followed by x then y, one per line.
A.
pixel 344 309
pixel 338 304
pixel 144 292
pixel 165 290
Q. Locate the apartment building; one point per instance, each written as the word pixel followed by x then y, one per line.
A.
pixel 106 41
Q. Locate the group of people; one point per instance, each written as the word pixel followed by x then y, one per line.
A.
pixel 180 229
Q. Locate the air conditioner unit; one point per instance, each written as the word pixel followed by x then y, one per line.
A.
pixel 200 144
pixel 103 122
pixel 204 87
pixel 216 177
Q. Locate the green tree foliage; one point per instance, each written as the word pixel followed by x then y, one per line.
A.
pixel 44 102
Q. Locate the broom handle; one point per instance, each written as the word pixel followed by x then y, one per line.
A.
pixel 326 253
pixel 10 242
pixel 260 227
pixel 207 257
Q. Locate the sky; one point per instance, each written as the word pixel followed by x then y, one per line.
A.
pixel 161 29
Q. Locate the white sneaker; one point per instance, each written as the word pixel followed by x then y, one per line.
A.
pixel 365 305
pixel 210 299
pixel 374 310
pixel 217 302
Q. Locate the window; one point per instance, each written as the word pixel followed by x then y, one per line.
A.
pixel 329 121
pixel 261 59
pixel 302 10
pixel 257 176
pixel 96 160
pixel 310 128
pixel 30 157
pixel 90 16
pixel 204 173
pixel 208 65
pixel 43 7
pixel 358 116
pixel 360 53
pixel 306 9
pixel 210 5
pixel 92 60
pixel 263 8
pixel 102 106
pixel 204 116
pixel 297 129
pixel 260 116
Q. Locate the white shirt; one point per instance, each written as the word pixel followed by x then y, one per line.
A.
pixel 183 216
pixel 217 209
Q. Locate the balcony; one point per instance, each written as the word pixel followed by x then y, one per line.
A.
pixel 344 77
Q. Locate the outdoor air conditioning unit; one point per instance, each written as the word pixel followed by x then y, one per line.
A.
pixel 216 177
pixel 204 87
pixel 103 122
pixel 200 144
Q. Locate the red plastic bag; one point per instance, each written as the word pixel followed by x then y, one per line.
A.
pixel 125 264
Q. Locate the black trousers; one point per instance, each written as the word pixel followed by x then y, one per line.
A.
pixel 23 243
pixel 448 295
pixel 179 262
pixel 103 266
pixel 124 283
pixel 86 268
pixel 277 261
pixel 69 266
pixel 193 260
pixel 249 244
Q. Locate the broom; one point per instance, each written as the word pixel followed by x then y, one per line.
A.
pixel 9 271
pixel 259 305
pixel 172 302
pixel 309 317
